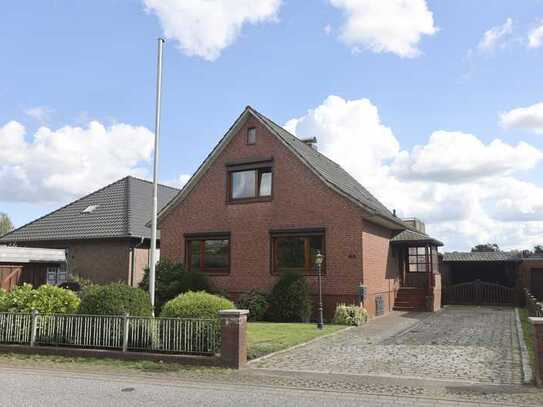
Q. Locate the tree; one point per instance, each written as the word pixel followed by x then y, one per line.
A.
pixel 5 224
pixel 538 249
pixel 487 247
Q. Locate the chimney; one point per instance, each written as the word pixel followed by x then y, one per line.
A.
pixel 416 224
pixel 311 142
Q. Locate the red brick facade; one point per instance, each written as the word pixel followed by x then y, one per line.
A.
pixel 356 251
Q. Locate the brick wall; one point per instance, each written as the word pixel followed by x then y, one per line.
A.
pixel 300 200
pixel 381 270
pixel 98 260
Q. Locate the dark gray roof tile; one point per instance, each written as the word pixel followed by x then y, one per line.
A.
pixel 122 210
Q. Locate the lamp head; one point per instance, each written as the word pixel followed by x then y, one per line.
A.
pixel 319 258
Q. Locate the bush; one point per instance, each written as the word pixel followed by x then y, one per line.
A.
pixel 257 304
pixel 3 298
pixel 47 299
pixel 196 305
pixel 350 315
pixel 115 299
pixel 171 280
pixel 290 299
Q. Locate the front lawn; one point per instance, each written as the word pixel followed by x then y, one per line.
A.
pixel 268 337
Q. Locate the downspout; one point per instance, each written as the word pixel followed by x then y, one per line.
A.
pixel 133 260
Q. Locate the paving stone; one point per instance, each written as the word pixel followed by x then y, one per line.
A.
pixel 475 344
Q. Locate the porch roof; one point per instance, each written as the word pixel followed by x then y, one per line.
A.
pixel 409 236
pixel 12 254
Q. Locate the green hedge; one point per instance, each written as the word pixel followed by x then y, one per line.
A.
pixel 196 305
pixel 3 298
pixel 46 299
pixel 290 299
pixel 171 280
pixel 256 302
pixel 115 299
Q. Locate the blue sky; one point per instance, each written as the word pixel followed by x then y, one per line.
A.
pixel 65 64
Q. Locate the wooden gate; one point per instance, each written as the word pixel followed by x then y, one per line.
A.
pixel 479 293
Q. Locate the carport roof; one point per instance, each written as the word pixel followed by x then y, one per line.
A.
pixel 462 257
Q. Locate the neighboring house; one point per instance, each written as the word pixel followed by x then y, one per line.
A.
pixel 264 202
pixel 104 233
pixel 36 266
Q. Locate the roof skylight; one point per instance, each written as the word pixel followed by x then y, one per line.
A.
pixel 90 209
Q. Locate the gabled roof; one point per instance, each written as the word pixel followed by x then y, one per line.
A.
pixel 327 170
pixel 413 236
pixel 471 257
pixel 118 210
pixel 11 254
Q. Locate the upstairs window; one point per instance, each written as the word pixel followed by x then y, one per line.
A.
pixel 252 184
pixel 251 135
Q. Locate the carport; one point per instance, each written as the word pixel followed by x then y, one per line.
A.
pixel 479 277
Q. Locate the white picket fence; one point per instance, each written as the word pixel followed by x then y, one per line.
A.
pixel 126 333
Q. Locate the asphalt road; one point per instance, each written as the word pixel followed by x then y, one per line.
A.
pixel 24 388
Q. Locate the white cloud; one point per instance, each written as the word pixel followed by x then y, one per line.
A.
pixel 179 182
pixel 535 38
pixel 529 118
pixel 41 114
pixel 394 26
pixel 464 189
pixel 57 165
pixel 205 27
pixel 467 158
pixel 496 36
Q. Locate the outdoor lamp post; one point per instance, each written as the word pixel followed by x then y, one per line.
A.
pixel 318 264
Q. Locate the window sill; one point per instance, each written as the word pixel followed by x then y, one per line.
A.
pixel 248 200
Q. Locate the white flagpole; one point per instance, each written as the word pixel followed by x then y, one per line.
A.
pixel 152 268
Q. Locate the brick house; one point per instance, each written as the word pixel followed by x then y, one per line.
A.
pixel 104 233
pixel 264 201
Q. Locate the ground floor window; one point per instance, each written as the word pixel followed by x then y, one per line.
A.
pixel 296 250
pixel 208 254
pixel 56 275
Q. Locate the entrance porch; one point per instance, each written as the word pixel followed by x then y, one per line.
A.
pixel 420 279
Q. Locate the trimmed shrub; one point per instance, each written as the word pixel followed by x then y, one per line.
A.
pixel 3 299
pixel 47 299
pixel 115 299
pixel 196 305
pixel 172 280
pixel 256 302
pixel 350 315
pixel 290 299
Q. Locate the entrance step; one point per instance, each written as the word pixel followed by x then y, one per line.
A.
pixel 410 299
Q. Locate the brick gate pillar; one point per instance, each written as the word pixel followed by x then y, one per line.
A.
pixel 234 337
pixel 537 323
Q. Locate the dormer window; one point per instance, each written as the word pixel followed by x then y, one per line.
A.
pixel 90 209
pixel 251 135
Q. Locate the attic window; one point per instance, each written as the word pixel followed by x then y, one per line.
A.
pixel 90 209
pixel 251 135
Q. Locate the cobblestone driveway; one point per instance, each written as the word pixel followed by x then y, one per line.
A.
pixel 476 344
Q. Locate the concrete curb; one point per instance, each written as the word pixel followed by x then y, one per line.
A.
pixel 527 373
pixel 269 355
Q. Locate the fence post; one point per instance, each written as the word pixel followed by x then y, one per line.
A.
pixel 33 327
pixel 126 323
pixel 234 337
pixel 537 324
